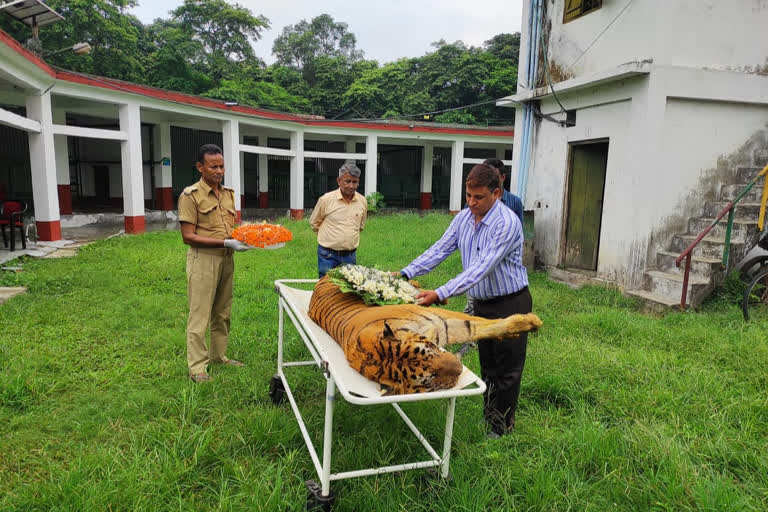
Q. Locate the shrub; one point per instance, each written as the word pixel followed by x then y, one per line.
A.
pixel 375 201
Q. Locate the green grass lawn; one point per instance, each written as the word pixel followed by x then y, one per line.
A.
pixel 619 410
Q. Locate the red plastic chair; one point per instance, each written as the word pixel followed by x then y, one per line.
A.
pixel 12 215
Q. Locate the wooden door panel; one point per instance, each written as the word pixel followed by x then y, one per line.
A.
pixel 585 205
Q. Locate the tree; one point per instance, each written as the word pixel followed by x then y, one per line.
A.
pixel 504 47
pixel 300 45
pixel 452 76
pixel 224 32
pixel 174 59
pixel 104 24
pixel 259 94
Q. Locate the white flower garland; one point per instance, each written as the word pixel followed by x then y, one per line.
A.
pixel 373 285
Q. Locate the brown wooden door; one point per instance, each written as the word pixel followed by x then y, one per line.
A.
pixel 585 204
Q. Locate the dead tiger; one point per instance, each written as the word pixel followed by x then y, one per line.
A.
pixel 399 346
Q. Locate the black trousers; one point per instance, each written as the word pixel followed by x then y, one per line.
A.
pixel 501 362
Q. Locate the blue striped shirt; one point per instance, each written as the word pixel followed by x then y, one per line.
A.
pixel 491 255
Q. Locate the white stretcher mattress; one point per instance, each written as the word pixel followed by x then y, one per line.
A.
pixel 353 386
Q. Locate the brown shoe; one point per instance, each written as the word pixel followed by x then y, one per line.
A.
pixel 233 362
pixel 200 377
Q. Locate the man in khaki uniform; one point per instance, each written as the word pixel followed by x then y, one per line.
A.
pixel 338 219
pixel 207 216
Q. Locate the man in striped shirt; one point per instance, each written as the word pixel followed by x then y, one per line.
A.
pixel 489 237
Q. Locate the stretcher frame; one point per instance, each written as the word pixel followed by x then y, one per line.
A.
pixel 354 388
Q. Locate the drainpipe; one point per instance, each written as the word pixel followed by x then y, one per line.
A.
pixel 534 29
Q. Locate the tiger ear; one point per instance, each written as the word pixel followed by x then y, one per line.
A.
pixel 388 330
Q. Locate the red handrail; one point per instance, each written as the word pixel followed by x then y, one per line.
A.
pixel 688 252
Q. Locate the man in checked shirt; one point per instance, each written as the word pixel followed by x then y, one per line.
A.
pixel 489 237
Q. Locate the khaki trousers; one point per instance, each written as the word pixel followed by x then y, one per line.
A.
pixel 209 291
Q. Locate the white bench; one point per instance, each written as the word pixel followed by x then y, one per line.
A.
pixel 354 388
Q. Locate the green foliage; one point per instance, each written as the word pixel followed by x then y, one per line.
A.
pixel 175 59
pixel 300 45
pixel 259 94
pixel 204 48
pixel 105 24
pixel 457 117
pixel 375 201
pixel 224 31
pixel 452 76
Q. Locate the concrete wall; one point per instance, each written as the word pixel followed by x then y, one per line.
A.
pixel 667 155
pixel 692 33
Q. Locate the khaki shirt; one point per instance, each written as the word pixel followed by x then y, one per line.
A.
pixel 338 223
pixel 212 216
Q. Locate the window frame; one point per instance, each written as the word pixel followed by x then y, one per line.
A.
pixel 578 12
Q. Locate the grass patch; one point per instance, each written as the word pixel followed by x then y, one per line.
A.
pixel 619 410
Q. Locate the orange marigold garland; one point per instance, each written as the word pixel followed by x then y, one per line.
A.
pixel 262 235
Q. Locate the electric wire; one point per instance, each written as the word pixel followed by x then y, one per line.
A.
pixel 599 35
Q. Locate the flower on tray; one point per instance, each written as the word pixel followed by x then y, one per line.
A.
pixel 376 287
pixel 262 234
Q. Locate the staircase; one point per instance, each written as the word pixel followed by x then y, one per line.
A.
pixel 663 285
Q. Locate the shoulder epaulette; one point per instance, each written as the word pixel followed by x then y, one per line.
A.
pixel 190 189
pixel 228 188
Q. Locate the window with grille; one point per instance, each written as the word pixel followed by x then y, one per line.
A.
pixel 577 8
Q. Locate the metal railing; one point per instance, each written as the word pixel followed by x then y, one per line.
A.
pixel 687 254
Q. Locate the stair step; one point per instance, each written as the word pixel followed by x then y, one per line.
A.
pixel 677 278
pixel 742 229
pixel 700 265
pixel 731 192
pixel 745 210
pixel 747 173
pixel 709 247
pixel 671 285
pixel 661 302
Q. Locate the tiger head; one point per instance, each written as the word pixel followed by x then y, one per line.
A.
pixel 418 365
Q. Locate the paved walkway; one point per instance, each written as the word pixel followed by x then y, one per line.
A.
pixel 72 239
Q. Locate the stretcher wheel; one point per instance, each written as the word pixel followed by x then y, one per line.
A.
pixel 315 499
pixel 276 390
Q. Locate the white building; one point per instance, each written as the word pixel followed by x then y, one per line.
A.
pixel 664 102
pixel 94 142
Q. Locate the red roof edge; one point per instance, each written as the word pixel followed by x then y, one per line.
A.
pixel 14 45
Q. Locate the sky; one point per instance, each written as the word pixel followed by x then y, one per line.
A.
pixel 386 30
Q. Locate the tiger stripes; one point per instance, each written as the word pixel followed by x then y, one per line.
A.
pixel 399 346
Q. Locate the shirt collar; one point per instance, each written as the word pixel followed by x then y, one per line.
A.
pixel 340 197
pixel 205 187
pixel 491 214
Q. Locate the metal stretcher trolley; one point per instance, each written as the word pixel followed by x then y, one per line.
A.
pixel 354 388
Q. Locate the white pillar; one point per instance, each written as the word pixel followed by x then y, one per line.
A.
pixel 230 131
pixel 42 159
pixel 297 175
pixel 457 164
pixel 242 174
pixel 62 151
pixel 133 168
pixel 426 170
pixel 162 169
pixel 263 173
pixel 62 166
pixel 371 163
pixel 164 176
pixel 500 150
